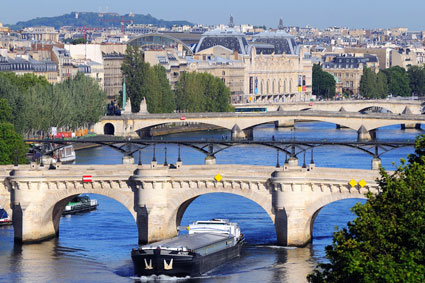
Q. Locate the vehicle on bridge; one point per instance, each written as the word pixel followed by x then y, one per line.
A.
pixel 207 245
pixel 4 217
pixel 251 109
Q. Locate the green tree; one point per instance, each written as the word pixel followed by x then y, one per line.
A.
pixel 367 87
pixel 398 81
pixel 386 242
pixel 202 92
pixel 12 144
pixel 416 76
pixel 167 102
pixel 135 71
pixel 5 111
pixel 323 83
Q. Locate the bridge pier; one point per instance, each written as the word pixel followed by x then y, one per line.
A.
pixel 284 124
pixel 376 162
pixel 238 134
pixel 364 135
pixel 410 126
pixel 292 222
pixel 151 193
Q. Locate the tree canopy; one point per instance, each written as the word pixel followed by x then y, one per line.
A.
pixel 202 92
pixel 386 242
pixel 398 81
pixel 37 105
pixel 323 83
pixel 417 79
pixel 144 81
pixel 194 92
pixel 12 144
pixel 373 85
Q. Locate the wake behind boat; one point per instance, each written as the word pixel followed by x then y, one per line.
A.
pixel 207 245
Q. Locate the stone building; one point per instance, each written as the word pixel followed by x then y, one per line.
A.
pixel 347 69
pixel 270 68
pixel 27 65
pixel 46 34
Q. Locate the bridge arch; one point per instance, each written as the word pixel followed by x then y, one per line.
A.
pixel 54 204
pixel 314 209
pixel 375 109
pixel 182 201
pixel 109 129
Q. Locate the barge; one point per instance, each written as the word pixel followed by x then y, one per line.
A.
pixel 80 204
pixel 208 244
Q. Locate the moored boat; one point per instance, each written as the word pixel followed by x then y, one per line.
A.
pixel 4 217
pixel 207 245
pixel 80 204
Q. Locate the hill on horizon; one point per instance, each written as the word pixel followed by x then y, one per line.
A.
pixel 99 20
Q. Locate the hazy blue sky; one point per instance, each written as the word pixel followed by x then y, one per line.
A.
pixel 319 13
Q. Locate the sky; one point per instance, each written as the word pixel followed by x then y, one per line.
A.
pixel 316 13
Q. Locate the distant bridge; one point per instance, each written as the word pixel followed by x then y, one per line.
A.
pixel 241 124
pixel 394 106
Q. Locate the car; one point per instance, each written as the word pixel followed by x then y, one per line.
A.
pixel 182 117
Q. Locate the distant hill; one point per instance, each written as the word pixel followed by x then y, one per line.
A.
pixel 91 19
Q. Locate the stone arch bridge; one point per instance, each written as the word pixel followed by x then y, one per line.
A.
pixel 391 106
pixel 157 196
pixel 241 124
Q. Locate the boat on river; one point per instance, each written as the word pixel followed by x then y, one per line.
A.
pixel 208 244
pixel 80 204
pixel 4 217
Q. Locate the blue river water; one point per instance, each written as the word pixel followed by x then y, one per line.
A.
pixel 96 246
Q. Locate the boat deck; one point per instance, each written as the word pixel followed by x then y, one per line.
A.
pixel 189 241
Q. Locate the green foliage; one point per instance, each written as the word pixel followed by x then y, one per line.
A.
pixel 323 83
pixel 11 143
pixel 386 242
pixel 37 105
pixel 144 81
pixel 373 85
pixel 417 79
pixel 398 81
pixel 202 92
pixel 91 19
pixel 5 111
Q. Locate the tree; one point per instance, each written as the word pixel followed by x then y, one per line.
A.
pixel 5 111
pixel 323 83
pixel 416 76
pixel 202 92
pixel 144 81
pixel 398 81
pixel 385 243
pixel 12 144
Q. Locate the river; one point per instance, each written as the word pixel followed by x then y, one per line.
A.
pixel 96 246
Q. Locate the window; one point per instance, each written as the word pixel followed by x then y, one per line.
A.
pixel 223 73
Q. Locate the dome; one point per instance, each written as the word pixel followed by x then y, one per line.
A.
pixel 282 42
pixel 228 38
pixel 277 42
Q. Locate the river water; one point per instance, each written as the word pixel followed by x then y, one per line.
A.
pixel 96 246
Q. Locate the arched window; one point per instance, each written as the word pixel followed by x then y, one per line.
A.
pixel 279 85
pixel 262 87
pixel 284 86
pixel 268 87
pixel 290 86
pixel 273 86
